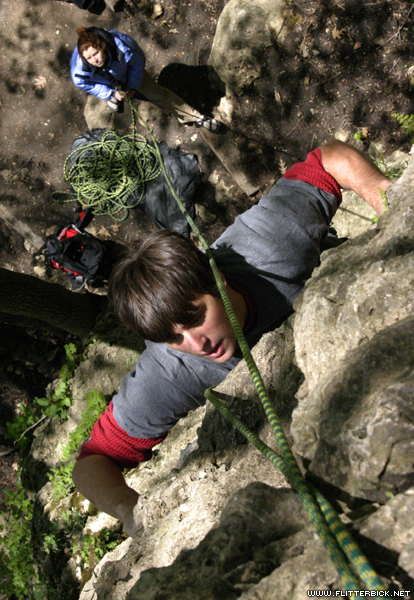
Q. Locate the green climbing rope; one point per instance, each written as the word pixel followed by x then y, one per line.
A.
pixel 104 174
pixel 352 566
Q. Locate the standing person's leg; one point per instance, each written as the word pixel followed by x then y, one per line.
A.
pixel 173 104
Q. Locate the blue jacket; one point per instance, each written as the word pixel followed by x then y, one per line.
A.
pixel 125 66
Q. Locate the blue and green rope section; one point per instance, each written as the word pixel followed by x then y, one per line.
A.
pixel 104 174
pixel 351 564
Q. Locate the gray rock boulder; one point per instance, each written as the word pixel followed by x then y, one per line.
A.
pixel 392 526
pixel 244 32
pixel 224 562
pixel 97 114
pixel 304 565
pixel 357 425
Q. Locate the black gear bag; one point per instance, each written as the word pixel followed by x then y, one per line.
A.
pixel 78 254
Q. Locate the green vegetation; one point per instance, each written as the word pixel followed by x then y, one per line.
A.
pixel 21 570
pixel 392 173
pixel 406 122
pixel 359 136
pixel 95 405
pixel 55 406
pixel 61 479
pixel 24 572
pixel 385 204
pixel 29 416
pixel 19 574
pixel 91 549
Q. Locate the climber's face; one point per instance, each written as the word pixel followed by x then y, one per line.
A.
pixel 95 57
pixel 211 336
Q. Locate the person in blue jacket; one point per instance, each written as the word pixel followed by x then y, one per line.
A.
pixel 111 66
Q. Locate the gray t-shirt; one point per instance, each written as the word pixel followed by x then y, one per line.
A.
pixel 271 250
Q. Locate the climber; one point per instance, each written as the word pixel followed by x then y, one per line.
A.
pixel 165 292
pixel 111 66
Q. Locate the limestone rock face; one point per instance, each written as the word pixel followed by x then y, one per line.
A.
pixel 244 32
pixel 392 526
pixel 354 339
pixel 254 517
pixel 354 216
pixel 303 565
pixel 359 289
pixel 357 425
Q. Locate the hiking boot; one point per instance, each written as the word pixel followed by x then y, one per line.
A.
pixel 210 124
pixel 115 105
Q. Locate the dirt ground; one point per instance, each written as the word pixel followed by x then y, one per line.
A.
pixel 346 67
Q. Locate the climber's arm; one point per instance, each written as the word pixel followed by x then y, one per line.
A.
pixel 100 480
pixel 355 171
pixel 98 471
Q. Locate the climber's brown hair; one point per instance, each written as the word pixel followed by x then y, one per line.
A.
pixel 156 285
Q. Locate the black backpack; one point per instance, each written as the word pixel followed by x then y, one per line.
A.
pixel 77 253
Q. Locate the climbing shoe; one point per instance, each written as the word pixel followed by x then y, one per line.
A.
pixel 210 124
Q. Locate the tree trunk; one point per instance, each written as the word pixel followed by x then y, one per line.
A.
pixel 31 297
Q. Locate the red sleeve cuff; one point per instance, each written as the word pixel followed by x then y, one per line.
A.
pixel 109 439
pixel 312 171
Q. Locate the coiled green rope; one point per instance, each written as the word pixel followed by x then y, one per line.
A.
pixel 104 174
pixel 344 552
